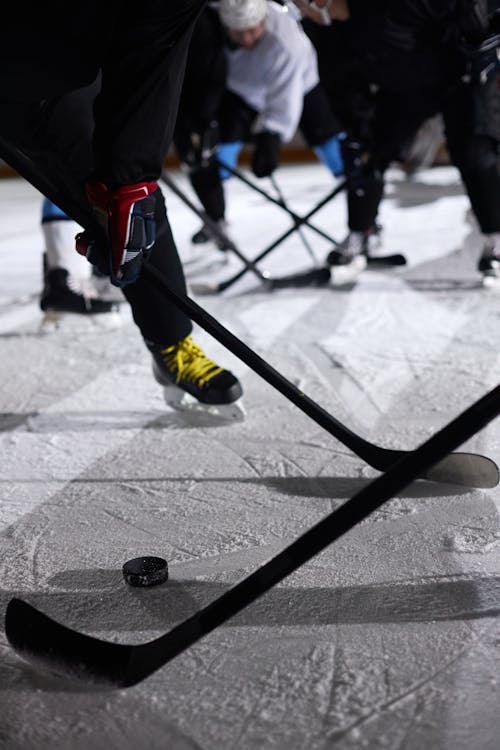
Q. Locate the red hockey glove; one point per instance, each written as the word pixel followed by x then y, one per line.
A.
pixel 127 216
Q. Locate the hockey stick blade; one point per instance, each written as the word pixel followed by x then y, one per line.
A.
pixel 472 470
pixel 314 277
pixel 41 640
pixel 386 260
pixel 466 470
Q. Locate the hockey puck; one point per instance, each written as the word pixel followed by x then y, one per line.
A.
pixel 145 571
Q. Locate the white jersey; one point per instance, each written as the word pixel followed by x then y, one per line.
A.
pixel 276 73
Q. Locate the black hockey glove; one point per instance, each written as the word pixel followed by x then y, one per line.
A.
pixel 484 60
pixel 266 153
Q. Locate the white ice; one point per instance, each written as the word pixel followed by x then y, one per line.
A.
pixel 388 639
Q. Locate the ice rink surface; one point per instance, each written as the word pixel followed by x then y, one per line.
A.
pixel 388 639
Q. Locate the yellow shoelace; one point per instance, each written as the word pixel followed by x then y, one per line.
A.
pixel 190 362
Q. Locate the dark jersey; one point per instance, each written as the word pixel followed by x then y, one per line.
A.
pixel 416 43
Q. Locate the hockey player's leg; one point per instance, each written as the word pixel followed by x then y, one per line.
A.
pixel 190 379
pixel 480 170
pixel 207 184
pixel 472 120
pixel 196 148
pixel 365 188
pixel 67 278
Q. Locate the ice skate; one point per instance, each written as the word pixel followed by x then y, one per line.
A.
pixel 207 252
pixel 104 289
pixel 192 382
pixel 65 300
pixel 349 259
pixel 489 263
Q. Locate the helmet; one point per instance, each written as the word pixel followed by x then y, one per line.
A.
pixel 242 14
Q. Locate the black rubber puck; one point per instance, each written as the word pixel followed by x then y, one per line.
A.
pixel 145 571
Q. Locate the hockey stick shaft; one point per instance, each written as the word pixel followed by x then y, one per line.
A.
pixel 212 225
pixel 379 458
pixel 39 638
pixel 342 520
pixel 229 282
pixel 315 276
pixel 376 456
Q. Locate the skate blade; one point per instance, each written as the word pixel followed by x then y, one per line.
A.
pixel 491 281
pixel 179 400
pixel 341 275
pixel 53 321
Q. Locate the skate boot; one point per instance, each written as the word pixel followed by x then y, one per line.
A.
pixel 63 295
pixel 349 258
pixel 192 382
pixel 208 251
pixel 104 289
pixel 489 263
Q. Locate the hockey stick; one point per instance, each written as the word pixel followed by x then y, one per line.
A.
pixel 46 642
pixel 468 469
pixel 394 259
pixel 314 277
pixel 323 274
pixel 298 220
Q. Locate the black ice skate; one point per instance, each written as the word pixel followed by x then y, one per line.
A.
pixel 489 263
pixel 208 251
pixel 62 295
pixel 192 382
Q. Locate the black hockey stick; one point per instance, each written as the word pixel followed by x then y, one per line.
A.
pixel 46 642
pixel 394 259
pixel 468 469
pixel 315 277
pixel 299 221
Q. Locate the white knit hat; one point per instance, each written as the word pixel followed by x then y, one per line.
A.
pixel 242 14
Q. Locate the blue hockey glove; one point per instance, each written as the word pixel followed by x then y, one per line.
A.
pixel 227 153
pixel 330 153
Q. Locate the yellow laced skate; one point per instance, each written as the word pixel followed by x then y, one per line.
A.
pixel 191 381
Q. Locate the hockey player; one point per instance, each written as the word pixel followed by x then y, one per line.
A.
pixel 88 104
pixel 272 87
pixel 409 60
pixel 196 133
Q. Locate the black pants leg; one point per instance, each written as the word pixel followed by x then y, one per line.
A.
pixel 472 121
pixel 318 122
pixel 396 119
pixel 235 120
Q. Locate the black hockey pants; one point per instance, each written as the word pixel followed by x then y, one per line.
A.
pixel 473 143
